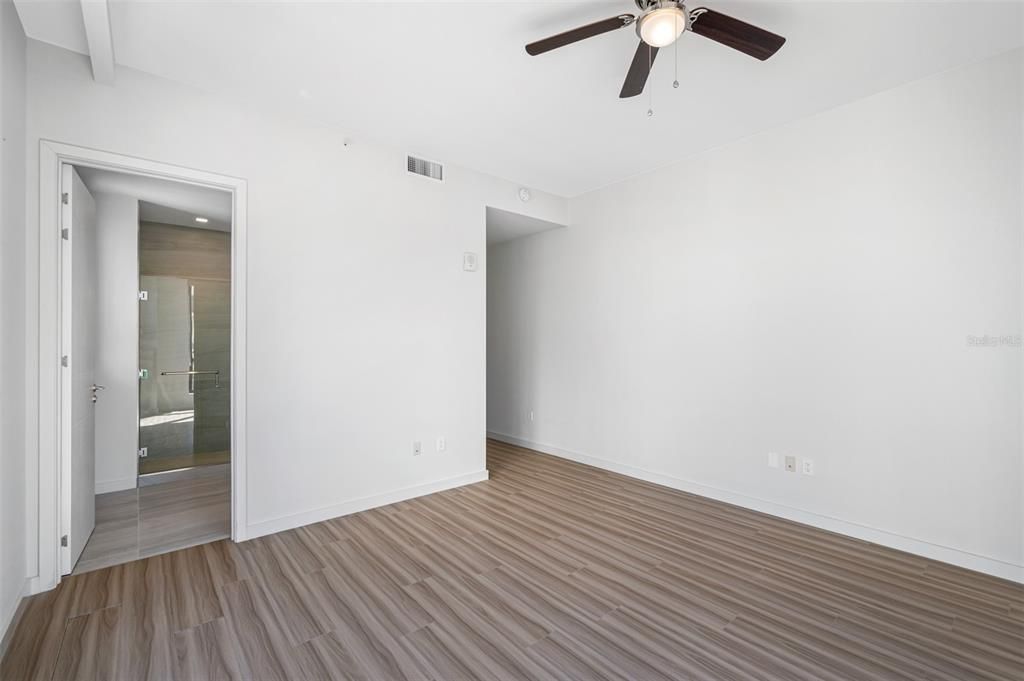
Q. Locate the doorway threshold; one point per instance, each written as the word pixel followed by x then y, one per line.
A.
pixel 159 518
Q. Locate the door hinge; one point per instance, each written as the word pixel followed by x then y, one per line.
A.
pixel 63 198
pixel 143 452
pixel 64 360
pixel 143 295
pixel 64 540
pixel 65 234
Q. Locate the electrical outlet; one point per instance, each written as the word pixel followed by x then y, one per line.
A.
pixel 441 444
pixel 417 448
pixel 791 464
pixel 773 459
pixel 807 467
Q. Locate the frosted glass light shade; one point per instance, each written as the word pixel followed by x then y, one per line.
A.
pixel 662 26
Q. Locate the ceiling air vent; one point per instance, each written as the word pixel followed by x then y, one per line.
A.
pixel 431 169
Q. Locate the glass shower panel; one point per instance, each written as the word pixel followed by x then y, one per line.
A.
pixel 211 310
pixel 185 377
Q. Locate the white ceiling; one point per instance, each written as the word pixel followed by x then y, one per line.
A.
pixel 452 81
pixel 165 215
pixel 503 225
pixel 172 203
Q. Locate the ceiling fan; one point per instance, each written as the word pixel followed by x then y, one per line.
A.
pixel 660 24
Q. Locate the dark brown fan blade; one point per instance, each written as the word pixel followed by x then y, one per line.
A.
pixel 734 33
pixel 578 34
pixel 636 78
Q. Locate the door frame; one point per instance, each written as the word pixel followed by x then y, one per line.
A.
pixel 52 155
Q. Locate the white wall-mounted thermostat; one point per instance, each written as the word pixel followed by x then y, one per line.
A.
pixel 469 262
pixel 524 194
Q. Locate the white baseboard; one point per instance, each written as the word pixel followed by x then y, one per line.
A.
pixel 362 504
pixel 945 554
pixel 10 616
pixel 105 486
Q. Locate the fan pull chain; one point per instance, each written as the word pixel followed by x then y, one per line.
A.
pixel 675 82
pixel 650 89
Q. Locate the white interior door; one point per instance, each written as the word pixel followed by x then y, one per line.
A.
pixel 78 379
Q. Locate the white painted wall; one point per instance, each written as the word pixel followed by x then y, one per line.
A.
pixel 117 358
pixel 364 332
pixel 808 291
pixel 12 314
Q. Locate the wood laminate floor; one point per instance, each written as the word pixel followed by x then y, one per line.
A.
pixel 550 570
pixel 154 519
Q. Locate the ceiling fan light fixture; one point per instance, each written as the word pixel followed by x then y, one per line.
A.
pixel 662 26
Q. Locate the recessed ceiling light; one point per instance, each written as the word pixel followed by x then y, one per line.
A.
pixel 202 221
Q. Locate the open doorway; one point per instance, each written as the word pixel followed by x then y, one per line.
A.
pixel 127 228
pixel 512 409
pixel 148 265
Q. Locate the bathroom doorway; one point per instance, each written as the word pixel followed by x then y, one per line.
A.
pixel 150 332
pixel 68 491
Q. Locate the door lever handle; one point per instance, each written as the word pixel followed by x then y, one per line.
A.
pixel 96 387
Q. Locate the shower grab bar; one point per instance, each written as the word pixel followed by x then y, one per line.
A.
pixel 214 372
